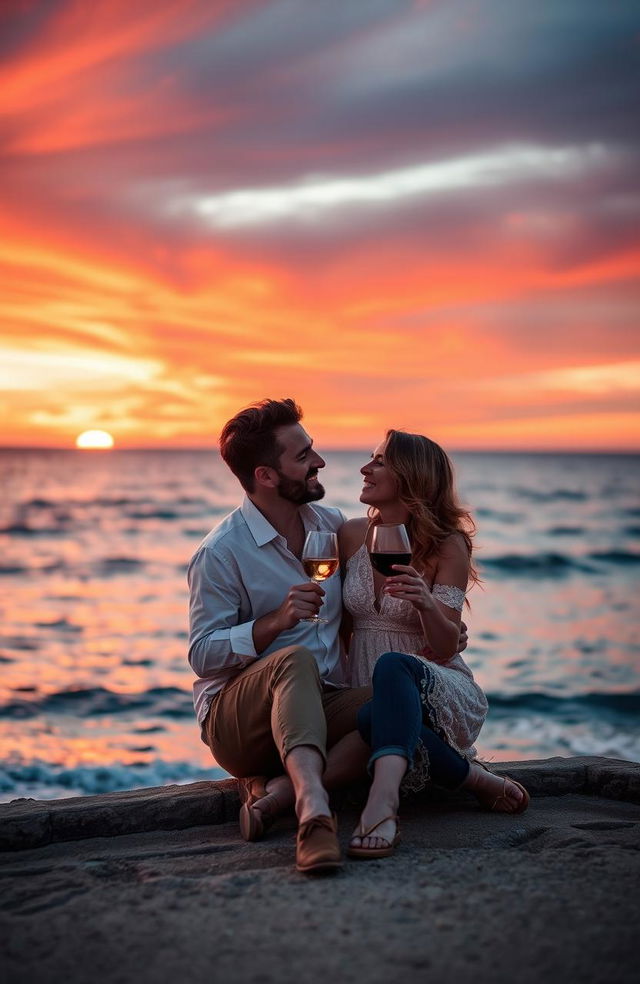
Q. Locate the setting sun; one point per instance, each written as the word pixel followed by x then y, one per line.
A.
pixel 94 440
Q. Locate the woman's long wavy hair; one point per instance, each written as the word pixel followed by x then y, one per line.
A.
pixel 426 487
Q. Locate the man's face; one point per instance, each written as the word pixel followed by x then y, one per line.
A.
pixel 298 466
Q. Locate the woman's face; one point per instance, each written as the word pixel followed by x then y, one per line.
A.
pixel 380 486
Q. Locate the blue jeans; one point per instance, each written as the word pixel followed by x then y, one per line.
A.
pixel 395 720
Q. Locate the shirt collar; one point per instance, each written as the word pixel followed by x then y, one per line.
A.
pixel 261 529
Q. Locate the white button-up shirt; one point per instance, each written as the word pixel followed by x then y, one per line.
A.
pixel 241 571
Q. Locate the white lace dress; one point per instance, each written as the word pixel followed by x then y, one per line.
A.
pixel 456 706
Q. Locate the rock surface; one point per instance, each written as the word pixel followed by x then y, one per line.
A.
pixel 468 897
pixel 26 823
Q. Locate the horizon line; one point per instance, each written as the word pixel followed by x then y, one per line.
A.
pixel 329 450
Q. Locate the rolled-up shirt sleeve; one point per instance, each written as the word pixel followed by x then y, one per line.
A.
pixel 218 639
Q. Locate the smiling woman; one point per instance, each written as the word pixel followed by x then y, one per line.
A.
pixel 94 440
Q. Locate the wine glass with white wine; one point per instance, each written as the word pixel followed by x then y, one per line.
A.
pixel 320 559
pixel 389 545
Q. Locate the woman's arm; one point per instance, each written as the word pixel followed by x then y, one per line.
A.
pixel 441 624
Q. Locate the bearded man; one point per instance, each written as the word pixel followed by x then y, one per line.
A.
pixel 268 697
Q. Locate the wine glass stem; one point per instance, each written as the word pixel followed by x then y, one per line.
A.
pixel 314 618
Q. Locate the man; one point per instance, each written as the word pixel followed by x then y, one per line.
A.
pixel 268 692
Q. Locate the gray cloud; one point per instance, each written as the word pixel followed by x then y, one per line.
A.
pixel 286 93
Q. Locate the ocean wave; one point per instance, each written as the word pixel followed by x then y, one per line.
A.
pixel 25 530
pixel 100 567
pixel 119 565
pixel 543 724
pixel 550 495
pixel 543 737
pixel 627 704
pixel 483 512
pixel 171 511
pixel 171 702
pixel 7 570
pixel 120 501
pixel 117 502
pixel 566 531
pixel 143 514
pixel 60 623
pixel 557 564
pixel 94 701
pixel 25 643
pixel 546 564
pixel 43 780
pixel 617 557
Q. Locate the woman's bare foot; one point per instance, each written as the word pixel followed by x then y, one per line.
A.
pixel 384 834
pixel 380 813
pixel 497 793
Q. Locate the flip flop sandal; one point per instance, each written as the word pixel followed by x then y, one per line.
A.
pixel 503 798
pixel 375 852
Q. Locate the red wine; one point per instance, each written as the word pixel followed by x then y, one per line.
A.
pixel 383 561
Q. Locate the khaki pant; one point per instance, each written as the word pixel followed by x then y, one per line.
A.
pixel 276 704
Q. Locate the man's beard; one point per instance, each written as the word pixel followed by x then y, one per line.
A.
pixel 297 491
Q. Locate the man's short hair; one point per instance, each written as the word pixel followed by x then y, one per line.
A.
pixel 248 440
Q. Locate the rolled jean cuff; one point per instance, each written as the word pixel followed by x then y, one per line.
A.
pixel 390 750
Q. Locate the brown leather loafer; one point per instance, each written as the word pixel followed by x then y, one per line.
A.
pixel 317 847
pixel 254 823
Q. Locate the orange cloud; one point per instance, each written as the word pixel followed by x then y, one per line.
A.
pixel 78 39
pixel 117 347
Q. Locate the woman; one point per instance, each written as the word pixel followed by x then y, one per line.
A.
pixel 427 710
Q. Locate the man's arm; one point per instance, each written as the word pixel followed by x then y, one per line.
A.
pixel 217 638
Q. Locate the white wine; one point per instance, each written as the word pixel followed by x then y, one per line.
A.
pixel 320 559
pixel 320 568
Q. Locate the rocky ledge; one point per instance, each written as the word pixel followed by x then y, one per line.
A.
pixel 28 823
pixel 156 885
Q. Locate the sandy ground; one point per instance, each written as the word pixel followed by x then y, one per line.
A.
pixel 468 897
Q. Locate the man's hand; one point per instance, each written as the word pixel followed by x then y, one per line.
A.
pixel 429 654
pixel 302 601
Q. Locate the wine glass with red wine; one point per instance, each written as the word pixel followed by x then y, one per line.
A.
pixel 389 545
pixel 320 559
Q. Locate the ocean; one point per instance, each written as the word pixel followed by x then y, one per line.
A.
pixel 95 690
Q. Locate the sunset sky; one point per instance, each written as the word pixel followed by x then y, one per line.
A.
pixel 414 214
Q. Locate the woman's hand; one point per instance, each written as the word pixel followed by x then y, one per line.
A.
pixel 440 632
pixel 433 657
pixel 408 585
